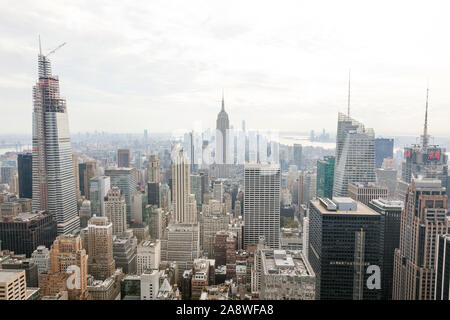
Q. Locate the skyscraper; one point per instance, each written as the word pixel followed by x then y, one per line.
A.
pixel 86 171
pixel 53 179
pixel 24 232
pixel 298 156
pixel 101 263
pixel 384 148
pixel 390 211
pixel 262 183
pixel 98 189
pixel 153 169
pixel 115 210
pixel 181 176
pixel 67 256
pixel 76 175
pixel 123 158
pixel 344 239
pixel 355 155
pixel 425 159
pixel 222 126
pixel 25 171
pixel 423 220
pixel 443 268
pixel 325 177
pixel 197 189
pixel 125 179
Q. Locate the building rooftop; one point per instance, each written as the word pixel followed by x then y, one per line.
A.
pixel 26 216
pixel 6 275
pixel 283 262
pixel 427 183
pixel 361 209
pixel 388 204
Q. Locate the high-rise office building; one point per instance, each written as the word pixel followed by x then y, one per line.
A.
pixel 24 232
pixel 442 268
pixel 262 183
pixel 365 192
pixel 53 179
pixel 181 244
pixel 154 170
pixel 116 210
pixel 86 171
pixel 355 155
pixel 325 177
pixel 309 186
pixel 154 193
pixel 85 213
pixel 181 188
pixel 125 179
pixel 210 224
pixel 425 159
pixel 124 250
pixel 25 171
pixel 123 158
pixel 5 173
pixel 344 240
pixel 67 257
pixel 298 156
pixel 101 264
pixel 387 177
pixel 218 191
pixel 423 220
pixel 76 174
pixel 13 183
pixel 98 189
pixel 390 211
pixel 196 189
pixel 384 148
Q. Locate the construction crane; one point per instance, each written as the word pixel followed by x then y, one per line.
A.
pixel 51 52
pixel 58 47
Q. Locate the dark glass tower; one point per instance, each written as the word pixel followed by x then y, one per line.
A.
pixel 344 239
pixel 384 148
pixel 25 171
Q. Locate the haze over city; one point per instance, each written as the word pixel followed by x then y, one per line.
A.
pixel 162 65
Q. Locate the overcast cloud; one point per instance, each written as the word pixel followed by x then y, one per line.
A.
pixel 161 65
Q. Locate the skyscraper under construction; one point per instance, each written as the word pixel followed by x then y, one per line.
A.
pixel 53 175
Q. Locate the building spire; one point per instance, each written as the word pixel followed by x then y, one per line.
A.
pixel 425 137
pixel 348 98
pixel 40 47
pixel 223 103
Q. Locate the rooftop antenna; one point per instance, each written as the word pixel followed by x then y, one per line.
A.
pixel 223 104
pixel 40 47
pixel 348 99
pixel 425 125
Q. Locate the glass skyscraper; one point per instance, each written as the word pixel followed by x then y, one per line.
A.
pixel 355 155
pixel 53 174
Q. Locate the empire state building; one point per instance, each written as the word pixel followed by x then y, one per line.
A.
pixel 222 126
pixel 53 175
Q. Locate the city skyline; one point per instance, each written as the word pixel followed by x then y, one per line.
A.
pixel 154 67
pixel 282 190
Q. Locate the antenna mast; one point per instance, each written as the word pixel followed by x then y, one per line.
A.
pixel 348 98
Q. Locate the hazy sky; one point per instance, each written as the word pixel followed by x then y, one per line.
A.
pixel 161 65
